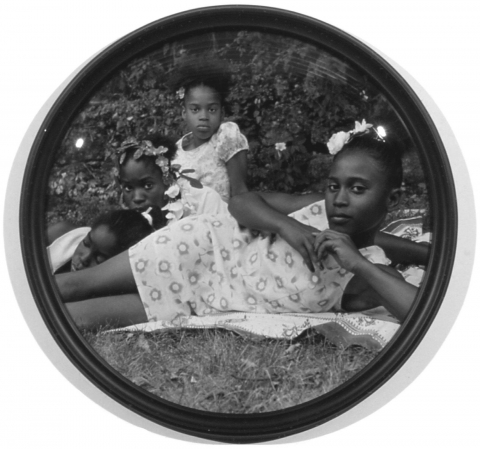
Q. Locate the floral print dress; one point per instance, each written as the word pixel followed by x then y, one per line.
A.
pixel 209 159
pixel 208 264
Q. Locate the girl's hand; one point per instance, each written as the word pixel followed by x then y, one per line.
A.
pixel 340 246
pixel 301 238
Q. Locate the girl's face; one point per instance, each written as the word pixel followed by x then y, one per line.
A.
pixel 203 113
pixel 99 245
pixel 357 197
pixel 142 184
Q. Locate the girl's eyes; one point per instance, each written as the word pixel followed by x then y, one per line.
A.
pixel 332 187
pixel 358 189
pixel 147 186
pixel 211 110
pixel 100 259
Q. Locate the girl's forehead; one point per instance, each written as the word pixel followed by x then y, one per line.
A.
pixel 103 239
pixel 357 165
pixel 202 93
pixel 140 168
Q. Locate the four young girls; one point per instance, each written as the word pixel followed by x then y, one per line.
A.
pixel 323 258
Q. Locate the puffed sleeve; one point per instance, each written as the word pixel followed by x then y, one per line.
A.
pixel 230 141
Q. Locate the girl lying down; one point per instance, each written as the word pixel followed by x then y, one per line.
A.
pixel 324 257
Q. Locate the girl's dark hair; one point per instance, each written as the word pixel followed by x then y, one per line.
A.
pixel 387 153
pixel 202 70
pixel 128 226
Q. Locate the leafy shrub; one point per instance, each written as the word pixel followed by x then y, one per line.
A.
pixel 288 97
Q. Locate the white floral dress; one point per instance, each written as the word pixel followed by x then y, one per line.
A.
pixel 208 264
pixel 209 159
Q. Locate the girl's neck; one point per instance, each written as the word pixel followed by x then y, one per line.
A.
pixel 189 143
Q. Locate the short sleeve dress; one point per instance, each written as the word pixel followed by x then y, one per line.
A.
pixel 209 264
pixel 209 159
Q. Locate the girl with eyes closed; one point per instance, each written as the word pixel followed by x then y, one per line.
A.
pixel 74 249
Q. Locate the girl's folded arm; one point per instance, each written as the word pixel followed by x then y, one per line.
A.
pixel 392 291
pixel 249 208
pixel 400 250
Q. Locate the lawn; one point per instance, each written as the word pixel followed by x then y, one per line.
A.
pixel 220 371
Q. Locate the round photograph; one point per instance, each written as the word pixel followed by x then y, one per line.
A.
pixel 239 222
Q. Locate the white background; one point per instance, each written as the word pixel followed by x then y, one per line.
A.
pixel 42 43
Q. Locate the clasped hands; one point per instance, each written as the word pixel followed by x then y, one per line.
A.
pixel 315 246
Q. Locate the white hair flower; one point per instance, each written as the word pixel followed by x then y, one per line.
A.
pixel 361 127
pixel 280 146
pixel 337 141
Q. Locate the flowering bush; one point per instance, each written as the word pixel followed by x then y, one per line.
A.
pixel 288 98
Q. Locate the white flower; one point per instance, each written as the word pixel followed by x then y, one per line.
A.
pixel 181 93
pixel 173 191
pixel 280 146
pixel 361 127
pixel 337 141
pixel 175 210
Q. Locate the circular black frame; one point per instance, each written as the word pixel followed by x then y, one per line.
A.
pixel 215 426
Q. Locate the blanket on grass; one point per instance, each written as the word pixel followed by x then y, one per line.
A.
pixel 372 329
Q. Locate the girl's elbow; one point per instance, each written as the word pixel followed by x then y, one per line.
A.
pixel 233 205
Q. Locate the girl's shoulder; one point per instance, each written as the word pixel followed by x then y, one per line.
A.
pixel 228 140
pixel 184 142
pixel 228 127
pixel 229 130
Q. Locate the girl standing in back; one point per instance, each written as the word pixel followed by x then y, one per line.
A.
pixel 216 151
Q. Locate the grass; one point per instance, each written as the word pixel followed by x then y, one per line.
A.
pixel 220 371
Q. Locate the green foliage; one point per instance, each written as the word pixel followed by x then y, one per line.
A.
pixel 287 97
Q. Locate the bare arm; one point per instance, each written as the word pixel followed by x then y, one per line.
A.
pixel 388 288
pixel 400 250
pixel 112 277
pixel 237 173
pixel 262 210
pixel 392 291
